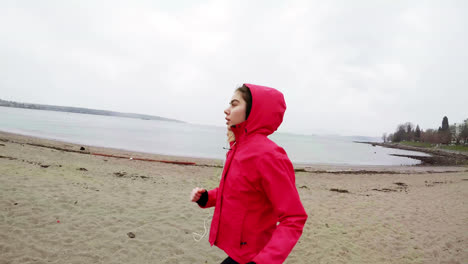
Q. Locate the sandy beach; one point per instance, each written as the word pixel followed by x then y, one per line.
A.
pixel 60 204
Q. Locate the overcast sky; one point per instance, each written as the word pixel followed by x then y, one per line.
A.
pixel 345 67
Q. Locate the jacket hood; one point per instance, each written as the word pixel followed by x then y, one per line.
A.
pixel 266 114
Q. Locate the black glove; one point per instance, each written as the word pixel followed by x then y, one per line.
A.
pixel 203 199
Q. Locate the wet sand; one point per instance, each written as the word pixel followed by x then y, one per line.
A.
pixel 60 204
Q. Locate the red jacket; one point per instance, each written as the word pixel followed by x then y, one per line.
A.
pixel 257 189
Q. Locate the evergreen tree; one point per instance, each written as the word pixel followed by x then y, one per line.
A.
pixel 445 124
pixel 417 135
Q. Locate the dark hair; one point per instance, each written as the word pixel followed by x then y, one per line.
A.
pixel 247 96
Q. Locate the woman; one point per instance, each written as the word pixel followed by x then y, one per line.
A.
pixel 257 189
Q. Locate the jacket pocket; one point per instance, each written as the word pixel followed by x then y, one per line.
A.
pixel 243 232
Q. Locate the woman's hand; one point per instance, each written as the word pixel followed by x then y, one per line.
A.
pixel 196 194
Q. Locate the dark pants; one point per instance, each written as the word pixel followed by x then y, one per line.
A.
pixel 229 260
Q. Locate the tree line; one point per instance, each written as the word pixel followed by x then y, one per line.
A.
pixel 445 134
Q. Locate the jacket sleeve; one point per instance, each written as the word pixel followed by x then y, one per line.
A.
pixel 278 182
pixel 212 195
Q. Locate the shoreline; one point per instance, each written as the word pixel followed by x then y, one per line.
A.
pixel 209 162
pixel 439 157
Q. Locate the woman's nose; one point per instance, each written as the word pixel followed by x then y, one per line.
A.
pixel 226 111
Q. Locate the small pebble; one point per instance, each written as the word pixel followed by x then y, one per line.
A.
pixel 130 235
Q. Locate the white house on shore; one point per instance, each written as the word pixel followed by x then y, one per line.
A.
pixel 455 129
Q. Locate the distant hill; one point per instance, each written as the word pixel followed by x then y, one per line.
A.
pixel 83 111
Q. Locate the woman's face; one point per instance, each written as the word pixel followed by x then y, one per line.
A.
pixel 235 113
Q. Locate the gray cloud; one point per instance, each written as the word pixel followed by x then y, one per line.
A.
pixel 345 67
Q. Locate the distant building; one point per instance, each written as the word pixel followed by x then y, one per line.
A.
pixel 455 130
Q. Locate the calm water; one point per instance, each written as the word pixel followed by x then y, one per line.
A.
pixel 181 139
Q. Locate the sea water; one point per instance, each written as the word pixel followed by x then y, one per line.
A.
pixel 185 139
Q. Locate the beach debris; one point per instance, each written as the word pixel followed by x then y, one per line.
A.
pixel 82 148
pixel 76 202
pixel 385 190
pixel 130 235
pixel 58 221
pixel 464 179
pixel 142 159
pixel 304 187
pixel 5 157
pixel 105 160
pixel 402 186
pixel 45 166
pixel 123 174
pixel 300 170
pixel 339 190
pixel 15 203
pixel 2 145
pixel 120 174
pixel 82 169
pixel 327 225
pixel 56 148
pixel 431 184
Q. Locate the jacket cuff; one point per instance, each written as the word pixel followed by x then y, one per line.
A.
pixel 203 199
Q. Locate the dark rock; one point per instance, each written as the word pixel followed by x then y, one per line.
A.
pixel 82 148
pixel 130 235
